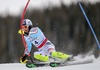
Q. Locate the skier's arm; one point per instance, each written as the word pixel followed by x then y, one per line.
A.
pixel 28 47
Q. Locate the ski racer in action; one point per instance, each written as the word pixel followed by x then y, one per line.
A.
pixel 33 35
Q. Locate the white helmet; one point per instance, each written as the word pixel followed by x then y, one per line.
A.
pixel 27 22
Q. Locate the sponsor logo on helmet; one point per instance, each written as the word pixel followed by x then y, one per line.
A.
pixel 24 22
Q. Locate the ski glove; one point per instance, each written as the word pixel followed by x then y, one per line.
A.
pixel 24 59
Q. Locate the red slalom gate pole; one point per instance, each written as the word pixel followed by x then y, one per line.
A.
pixel 22 18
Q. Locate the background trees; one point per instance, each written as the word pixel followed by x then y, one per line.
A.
pixel 65 26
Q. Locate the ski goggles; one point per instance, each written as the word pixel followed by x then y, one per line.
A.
pixel 24 26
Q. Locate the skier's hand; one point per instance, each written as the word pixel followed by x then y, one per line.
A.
pixel 24 59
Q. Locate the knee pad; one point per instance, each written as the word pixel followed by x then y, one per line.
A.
pixel 41 57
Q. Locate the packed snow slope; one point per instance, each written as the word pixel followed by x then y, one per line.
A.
pixel 90 66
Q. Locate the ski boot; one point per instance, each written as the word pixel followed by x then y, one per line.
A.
pixel 60 55
pixel 41 57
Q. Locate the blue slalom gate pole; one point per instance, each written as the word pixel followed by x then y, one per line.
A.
pixel 89 25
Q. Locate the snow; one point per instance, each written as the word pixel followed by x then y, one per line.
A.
pixel 90 66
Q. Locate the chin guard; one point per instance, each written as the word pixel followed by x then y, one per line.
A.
pixel 20 31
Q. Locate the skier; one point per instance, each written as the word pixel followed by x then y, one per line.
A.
pixel 33 35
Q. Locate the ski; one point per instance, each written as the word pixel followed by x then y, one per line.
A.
pixel 57 64
pixel 42 64
pixel 33 65
pixel 69 63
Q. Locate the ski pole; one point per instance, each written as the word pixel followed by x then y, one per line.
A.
pixel 31 59
pixel 89 25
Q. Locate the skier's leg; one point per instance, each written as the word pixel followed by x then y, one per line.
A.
pixel 53 53
pixel 44 52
